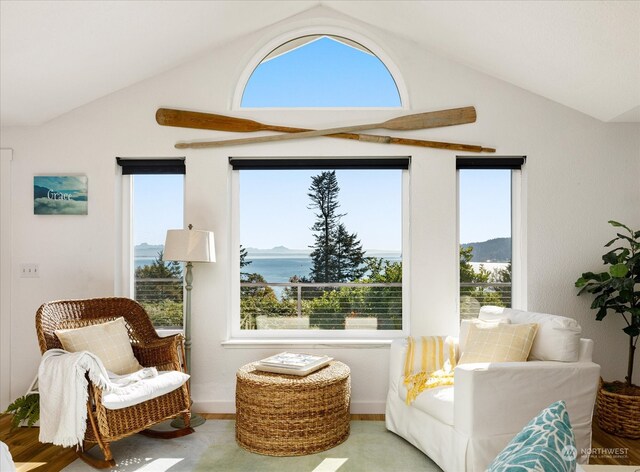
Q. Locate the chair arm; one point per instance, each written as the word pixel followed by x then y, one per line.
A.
pixel 163 353
pixel 397 356
pixel 501 398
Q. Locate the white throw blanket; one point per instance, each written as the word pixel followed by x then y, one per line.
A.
pixel 64 392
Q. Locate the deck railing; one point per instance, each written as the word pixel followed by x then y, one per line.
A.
pixel 321 305
pixel 473 296
pixel 162 299
pixel 316 305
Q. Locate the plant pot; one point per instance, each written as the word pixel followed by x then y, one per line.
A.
pixel 618 413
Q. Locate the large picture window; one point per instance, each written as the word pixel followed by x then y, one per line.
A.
pixel 320 247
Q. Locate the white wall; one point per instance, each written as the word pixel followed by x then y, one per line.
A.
pixel 580 173
pixel 5 276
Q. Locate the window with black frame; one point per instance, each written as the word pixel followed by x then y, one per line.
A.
pixel 486 236
pixel 320 244
pixel 157 204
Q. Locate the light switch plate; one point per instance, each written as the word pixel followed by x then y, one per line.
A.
pixel 29 270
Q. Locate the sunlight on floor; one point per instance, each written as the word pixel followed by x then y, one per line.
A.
pixel 25 466
pixel 160 465
pixel 330 465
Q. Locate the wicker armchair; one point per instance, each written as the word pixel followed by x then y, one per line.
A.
pixel 103 425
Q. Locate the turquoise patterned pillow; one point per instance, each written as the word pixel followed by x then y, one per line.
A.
pixel 546 444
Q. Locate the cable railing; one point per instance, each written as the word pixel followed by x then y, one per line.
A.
pixel 354 305
pixel 337 306
pixel 162 298
pixel 473 296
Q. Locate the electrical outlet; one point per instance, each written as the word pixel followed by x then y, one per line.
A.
pixel 29 270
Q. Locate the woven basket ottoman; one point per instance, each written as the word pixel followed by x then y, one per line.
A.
pixel 288 415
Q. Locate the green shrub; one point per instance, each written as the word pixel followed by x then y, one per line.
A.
pixel 164 313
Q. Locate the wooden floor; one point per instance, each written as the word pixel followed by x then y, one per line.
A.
pixel 609 449
pixel 31 455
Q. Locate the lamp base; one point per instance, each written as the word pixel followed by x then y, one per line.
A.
pixel 196 420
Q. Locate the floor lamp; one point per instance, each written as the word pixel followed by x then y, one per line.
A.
pixel 189 245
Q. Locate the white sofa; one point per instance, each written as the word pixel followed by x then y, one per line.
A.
pixel 464 427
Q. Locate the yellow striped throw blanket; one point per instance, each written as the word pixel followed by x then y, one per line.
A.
pixel 428 365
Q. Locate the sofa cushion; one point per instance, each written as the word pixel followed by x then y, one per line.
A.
pixel 108 341
pixel 546 443
pixel 437 402
pixel 498 343
pixel 558 337
pixel 145 389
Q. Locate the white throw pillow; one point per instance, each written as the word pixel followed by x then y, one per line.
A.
pixel 558 337
pixel 465 324
pixel 109 341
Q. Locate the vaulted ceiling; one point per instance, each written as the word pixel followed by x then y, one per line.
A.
pixel 59 55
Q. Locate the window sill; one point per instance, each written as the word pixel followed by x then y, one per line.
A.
pixel 244 343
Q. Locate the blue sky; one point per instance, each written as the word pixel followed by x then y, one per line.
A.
pixel 158 202
pixel 322 73
pixel 273 204
pixel 274 207
pixel 485 205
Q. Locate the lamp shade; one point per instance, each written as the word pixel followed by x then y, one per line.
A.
pixel 189 245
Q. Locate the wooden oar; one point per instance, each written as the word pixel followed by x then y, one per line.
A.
pixel 211 121
pixel 433 119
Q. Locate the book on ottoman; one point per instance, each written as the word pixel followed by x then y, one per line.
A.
pixel 293 364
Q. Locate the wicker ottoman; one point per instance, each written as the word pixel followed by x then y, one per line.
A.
pixel 287 415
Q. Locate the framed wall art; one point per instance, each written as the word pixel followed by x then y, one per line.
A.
pixel 60 195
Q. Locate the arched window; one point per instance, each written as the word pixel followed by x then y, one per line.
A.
pixel 321 71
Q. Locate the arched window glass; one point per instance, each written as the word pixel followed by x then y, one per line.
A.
pixel 321 71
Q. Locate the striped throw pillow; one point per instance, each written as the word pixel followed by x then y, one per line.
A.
pixel 429 354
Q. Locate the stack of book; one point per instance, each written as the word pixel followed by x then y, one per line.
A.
pixel 293 364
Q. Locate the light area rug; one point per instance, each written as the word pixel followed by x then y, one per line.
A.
pixel 369 448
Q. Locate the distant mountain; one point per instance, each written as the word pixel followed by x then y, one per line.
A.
pixel 40 192
pixel 283 251
pixel 147 250
pixel 277 251
pixel 493 250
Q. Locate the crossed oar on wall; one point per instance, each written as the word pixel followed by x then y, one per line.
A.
pixel 433 119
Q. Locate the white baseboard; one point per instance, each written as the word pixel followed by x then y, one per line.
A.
pixel 362 408
pixel 214 407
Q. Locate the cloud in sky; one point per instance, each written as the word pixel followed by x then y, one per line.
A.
pixel 47 206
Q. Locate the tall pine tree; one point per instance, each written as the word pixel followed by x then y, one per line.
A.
pixel 337 255
pixel 349 255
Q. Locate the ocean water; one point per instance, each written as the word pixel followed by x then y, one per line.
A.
pixel 273 269
pixel 278 269
pixel 142 261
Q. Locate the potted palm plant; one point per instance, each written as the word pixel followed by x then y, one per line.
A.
pixel 617 290
pixel 25 410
